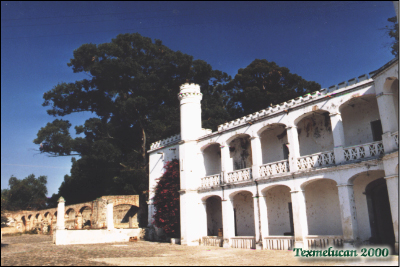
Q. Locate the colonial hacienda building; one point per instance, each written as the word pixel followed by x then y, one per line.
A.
pixel 319 169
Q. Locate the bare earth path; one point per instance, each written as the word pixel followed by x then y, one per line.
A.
pixel 38 250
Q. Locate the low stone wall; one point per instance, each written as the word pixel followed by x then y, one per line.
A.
pixel 69 237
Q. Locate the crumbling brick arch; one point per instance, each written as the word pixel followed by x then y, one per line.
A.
pixel 85 213
pixel 70 218
pixel 125 215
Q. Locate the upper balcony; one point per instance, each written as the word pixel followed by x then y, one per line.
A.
pixel 353 134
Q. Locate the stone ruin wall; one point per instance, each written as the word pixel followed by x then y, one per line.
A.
pixel 80 216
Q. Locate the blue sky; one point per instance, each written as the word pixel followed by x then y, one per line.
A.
pixel 326 42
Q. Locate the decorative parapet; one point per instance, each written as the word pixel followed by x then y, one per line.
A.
pixel 210 181
pixel 363 151
pixel 279 242
pixel 323 93
pixel 239 175
pixel 274 168
pixel 165 142
pixel 213 241
pixel 316 160
pixel 189 90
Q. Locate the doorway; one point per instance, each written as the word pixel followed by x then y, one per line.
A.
pixel 380 217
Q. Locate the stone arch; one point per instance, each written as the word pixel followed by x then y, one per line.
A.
pixel 311 180
pixel 361 120
pixel 314 132
pixel 47 215
pixel 273 140
pixel 214 214
pixel 204 147
pixel 243 206
pixel 322 207
pixel 239 151
pixel 24 223
pixel 360 182
pixel 38 217
pixel 205 197
pixel 279 209
pixel 211 158
pixel 70 218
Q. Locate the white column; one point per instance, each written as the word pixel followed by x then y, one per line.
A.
pixel 191 221
pixel 392 183
pixel 109 215
pixel 226 162
pixel 256 155
pixel 338 137
pixel 60 214
pixel 257 223
pixel 228 222
pixel 264 219
pixel 294 149
pixel 299 218
pixel 348 215
pixel 387 114
pixel 203 219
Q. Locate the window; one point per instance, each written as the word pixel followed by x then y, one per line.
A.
pixel 376 127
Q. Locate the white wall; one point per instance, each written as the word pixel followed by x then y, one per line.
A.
pixel 69 237
pixel 357 116
pixel 212 160
pixel 323 209
pixel 315 134
pixel 243 203
pixel 272 146
pixel 214 215
pixel 278 199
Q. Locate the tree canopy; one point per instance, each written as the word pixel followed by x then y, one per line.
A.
pixel 262 84
pixel 393 31
pixel 26 194
pixel 131 89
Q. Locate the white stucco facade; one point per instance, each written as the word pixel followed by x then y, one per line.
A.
pixel 320 168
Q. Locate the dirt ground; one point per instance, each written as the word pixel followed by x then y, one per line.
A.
pixel 38 250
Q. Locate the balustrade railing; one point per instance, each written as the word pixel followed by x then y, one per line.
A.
pixel 279 242
pixel 274 168
pixel 239 175
pixel 210 181
pixel 396 138
pixel 316 160
pixel 247 242
pixel 213 241
pixel 363 151
pixel 324 241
